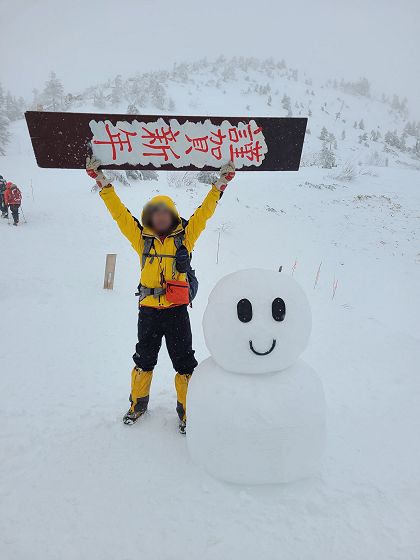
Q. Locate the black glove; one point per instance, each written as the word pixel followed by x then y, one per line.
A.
pixel 182 259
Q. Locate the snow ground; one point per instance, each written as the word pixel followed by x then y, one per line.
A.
pixel 76 483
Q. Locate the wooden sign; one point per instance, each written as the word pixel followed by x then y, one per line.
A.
pixel 111 260
pixel 63 140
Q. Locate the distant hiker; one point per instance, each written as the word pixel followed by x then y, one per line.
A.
pixel 13 200
pixel 3 205
pixel 164 242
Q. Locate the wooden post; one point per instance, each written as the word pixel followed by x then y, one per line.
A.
pixel 317 275
pixel 110 271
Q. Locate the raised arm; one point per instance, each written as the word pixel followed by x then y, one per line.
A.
pixel 129 226
pixel 198 220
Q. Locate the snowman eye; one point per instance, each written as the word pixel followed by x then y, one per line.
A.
pixel 278 309
pixel 244 309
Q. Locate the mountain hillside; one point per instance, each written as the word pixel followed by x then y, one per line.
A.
pixel 348 122
pixel 75 482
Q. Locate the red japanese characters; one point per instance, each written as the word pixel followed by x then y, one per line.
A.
pixel 198 144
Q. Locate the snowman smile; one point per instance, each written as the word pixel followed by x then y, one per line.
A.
pixel 273 345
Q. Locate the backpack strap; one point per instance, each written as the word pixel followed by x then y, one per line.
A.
pixel 180 237
pixel 148 245
pixel 143 292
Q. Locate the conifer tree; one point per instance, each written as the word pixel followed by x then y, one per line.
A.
pixel 53 93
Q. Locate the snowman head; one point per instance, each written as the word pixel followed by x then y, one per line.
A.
pixel 257 321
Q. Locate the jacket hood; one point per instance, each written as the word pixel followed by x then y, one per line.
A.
pixel 155 201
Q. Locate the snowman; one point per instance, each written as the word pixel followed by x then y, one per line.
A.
pixel 256 411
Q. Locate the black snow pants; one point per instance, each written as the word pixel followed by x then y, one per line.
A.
pixel 14 209
pixel 3 205
pixel 173 323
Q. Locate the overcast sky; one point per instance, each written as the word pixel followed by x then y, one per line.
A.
pixel 90 40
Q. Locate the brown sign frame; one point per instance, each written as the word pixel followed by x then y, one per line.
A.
pixel 62 140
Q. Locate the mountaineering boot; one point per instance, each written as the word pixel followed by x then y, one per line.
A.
pixel 181 386
pixel 139 396
pixel 132 416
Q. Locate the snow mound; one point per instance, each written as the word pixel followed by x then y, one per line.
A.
pixel 256 429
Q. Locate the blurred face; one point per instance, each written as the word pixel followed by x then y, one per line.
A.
pixel 161 220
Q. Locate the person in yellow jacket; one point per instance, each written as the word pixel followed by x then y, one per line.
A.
pixel 164 243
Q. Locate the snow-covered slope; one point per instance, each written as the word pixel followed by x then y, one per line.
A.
pixel 360 125
pixel 76 483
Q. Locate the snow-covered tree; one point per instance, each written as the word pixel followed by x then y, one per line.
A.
pixel 117 90
pixel 395 103
pixel 403 139
pixel 180 72
pixel 361 124
pixel 141 175
pixel 417 146
pixel 132 109
pixel 53 93
pixel 411 128
pixel 326 157
pixel 13 107
pixel 343 135
pixel 361 87
pixel 328 137
pixel 324 134
pixel 99 99
pixel 157 94
pixel 399 105
pixel 36 99
pixel 332 141
pixel 207 177
pixel 4 124
pixel 392 139
pixel 4 133
pixel 136 91
pixel 265 90
pixel 286 104
pixel 2 98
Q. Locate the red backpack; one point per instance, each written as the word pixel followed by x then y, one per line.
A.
pixel 14 196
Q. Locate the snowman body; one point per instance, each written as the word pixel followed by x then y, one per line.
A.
pixel 256 412
pixel 254 429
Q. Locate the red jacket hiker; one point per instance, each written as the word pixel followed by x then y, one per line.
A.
pixel 13 199
pixel 12 194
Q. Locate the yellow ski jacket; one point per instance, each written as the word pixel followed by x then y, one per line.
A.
pixel 154 272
